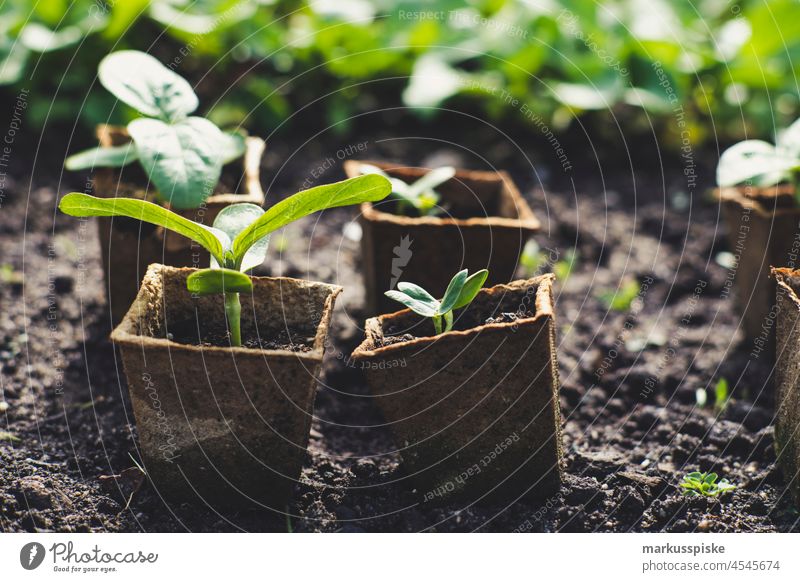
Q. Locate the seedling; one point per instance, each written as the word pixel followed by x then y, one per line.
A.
pixel 419 197
pixel 721 394
pixel 704 484
pixel 239 237
pixel 563 268
pixel 183 156
pixel 759 163
pixel 622 299
pixel 460 293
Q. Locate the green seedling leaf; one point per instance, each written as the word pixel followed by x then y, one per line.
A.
pixel 472 285
pixel 112 157
pixel 430 181
pixel 754 161
pixel 182 160
pixel 79 204
pixel 214 281
pixel 418 307
pixel 232 147
pixel 369 188
pixel 234 219
pixel 704 484
pixel 721 394
pixel 418 293
pixel 453 291
pixel 622 299
pixel 142 82
pixel 8 437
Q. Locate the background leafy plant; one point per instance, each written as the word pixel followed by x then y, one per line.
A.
pixel 182 155
pixel 460 292
pixel 735 63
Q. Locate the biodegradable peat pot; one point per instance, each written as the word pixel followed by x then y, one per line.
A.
pixel 130 246
pixel 222 425
pixel 487 226
pixel 474 411
pixel 763 226
pixel 787 378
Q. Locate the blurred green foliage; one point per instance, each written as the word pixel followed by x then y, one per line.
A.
pixel 725 68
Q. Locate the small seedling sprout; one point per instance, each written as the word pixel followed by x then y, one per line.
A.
pixel 460 293
pixel 239 237
pixel 759 163
pixel 704 484
pixel 182 155
pixel 721 394
pixel 420 195
pixel 622 299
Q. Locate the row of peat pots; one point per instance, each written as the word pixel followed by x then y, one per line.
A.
pixel 763 229
pixel 474 410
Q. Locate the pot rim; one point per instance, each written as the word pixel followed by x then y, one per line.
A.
pixel 781 275
pixel 125 335
pixel 527 220
pixel 544 309
pixel 251 167
pixel 738 195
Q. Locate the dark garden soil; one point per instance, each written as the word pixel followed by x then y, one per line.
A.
pixel 293 340
pixel 631 427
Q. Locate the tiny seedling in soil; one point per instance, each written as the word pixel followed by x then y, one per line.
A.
pixel 419 197
pixel 721 394
pixel 704 484
pixel 563 268
pixel 622 299
pixel 460 293
pixel 760 163
pixel 8 437
pixel 182 155
pixel 239 237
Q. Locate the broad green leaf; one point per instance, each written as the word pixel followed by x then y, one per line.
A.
pixel 753 160
pixel 213 281
pixel 232 147
pixel 182 159
pixel 41 39
pixel 431 180
pixel 472 285
pixel 145 84
pixel 102 157
pixel 453 291
pixel 710 478
pixel 369 188
pixel 399 187
pixel 79 204
pixel 417 292
pixel 416 306
pixel 234 219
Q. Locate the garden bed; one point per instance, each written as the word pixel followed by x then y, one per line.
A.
pixel 631 427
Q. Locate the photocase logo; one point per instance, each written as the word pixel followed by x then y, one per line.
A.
pixel 402 255
pixel 31 555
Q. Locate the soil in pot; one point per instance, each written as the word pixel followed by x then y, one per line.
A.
pixel 787 378
pixel 129 246
pixel 763 229
pixel 474 412
pixel 484 225
pixel 223 426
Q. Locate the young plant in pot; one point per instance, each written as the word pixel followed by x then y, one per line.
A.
pixel 222 367
pixel 787 378
pixel 435 215
pixel 758 193
pixel 469 387
pixel 166 156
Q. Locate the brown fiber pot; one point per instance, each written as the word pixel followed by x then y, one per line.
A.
pixel 474 412
pixel 129 246
pixel 224 426
pixel 787 378
pixel 487 228
pixel 763 227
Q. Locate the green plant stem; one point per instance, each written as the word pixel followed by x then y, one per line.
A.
pixel 448 321
pixel 437 324
pixel 233 313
